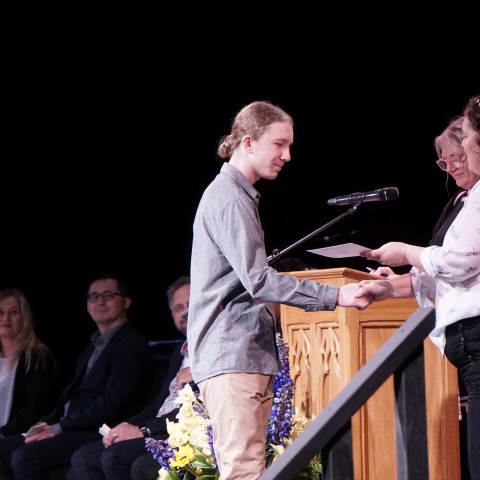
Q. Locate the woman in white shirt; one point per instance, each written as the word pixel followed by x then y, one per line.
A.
pixel 450 276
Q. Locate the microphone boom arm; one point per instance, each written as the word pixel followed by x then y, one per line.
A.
pixel 277 254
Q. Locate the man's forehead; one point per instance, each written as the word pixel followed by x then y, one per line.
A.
pixel 282 131
pixel 103 282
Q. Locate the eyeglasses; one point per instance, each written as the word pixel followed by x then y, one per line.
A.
pixel 107 296
pixel 456 161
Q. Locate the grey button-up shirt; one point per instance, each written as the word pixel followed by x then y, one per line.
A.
pixel 231 324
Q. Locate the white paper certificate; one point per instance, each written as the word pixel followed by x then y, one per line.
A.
pixel 341 251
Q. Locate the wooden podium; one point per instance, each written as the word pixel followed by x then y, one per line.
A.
pixel 328 348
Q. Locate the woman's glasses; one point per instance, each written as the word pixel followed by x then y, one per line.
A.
pixel 456 161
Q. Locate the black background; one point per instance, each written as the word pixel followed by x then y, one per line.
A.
pixel 109 148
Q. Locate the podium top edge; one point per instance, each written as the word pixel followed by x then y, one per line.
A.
pixel 330 273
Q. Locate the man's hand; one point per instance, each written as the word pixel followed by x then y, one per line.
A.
pixel 184 376
pixel 38 432
pixel 375 290
pixel 347 297
pixel 123 431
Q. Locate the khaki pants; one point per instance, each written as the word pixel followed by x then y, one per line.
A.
pixel 239 407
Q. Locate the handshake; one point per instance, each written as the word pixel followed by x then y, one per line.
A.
pixel 361 295
pixel 375 290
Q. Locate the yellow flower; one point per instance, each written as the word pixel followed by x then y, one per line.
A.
pixel 183 456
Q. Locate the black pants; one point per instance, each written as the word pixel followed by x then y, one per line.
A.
pixel 95 462
pixel 145 468
pixel 462 349
pixel 35 461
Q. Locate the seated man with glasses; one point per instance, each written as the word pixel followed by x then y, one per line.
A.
pixel 123 447
pixel 112 378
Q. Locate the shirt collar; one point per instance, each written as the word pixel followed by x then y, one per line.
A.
pixel 240 179
pixel 97 338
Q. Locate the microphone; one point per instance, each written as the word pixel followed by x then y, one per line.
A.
pixel 380 195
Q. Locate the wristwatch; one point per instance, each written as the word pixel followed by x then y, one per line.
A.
pixel 145 431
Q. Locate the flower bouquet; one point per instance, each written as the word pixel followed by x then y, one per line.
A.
pixel 188 453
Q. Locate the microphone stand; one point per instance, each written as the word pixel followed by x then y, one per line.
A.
pixel 276 254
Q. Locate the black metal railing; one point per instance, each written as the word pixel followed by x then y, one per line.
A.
pixel 330 431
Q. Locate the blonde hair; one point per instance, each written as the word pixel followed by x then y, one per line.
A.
pixel 251 120
pixel 453 133
pixel 27 340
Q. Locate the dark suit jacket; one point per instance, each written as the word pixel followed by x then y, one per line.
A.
pixel 34 393
pixel 148 416
pixel 114 389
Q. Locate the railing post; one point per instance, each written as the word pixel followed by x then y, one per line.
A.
pixel 411 419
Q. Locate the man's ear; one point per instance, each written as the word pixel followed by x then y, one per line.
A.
pixel 247 143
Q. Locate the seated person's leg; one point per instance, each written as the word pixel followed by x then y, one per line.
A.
pixel 37 460
pixel 62 473
pixel 145 467
pixel 32 460
pixel 86 462
pixel 7 446
pixel 117 459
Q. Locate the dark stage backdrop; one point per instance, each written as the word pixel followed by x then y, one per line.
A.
pixel 104 172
